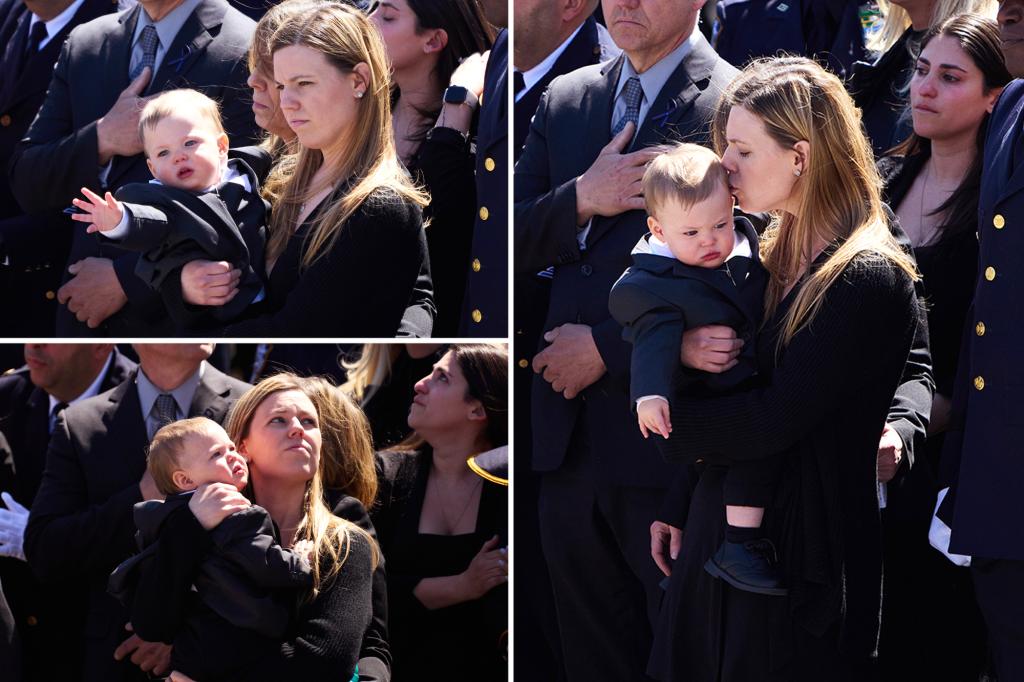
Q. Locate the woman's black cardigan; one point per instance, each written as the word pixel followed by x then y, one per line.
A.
pixel 825 403
pixel 360 287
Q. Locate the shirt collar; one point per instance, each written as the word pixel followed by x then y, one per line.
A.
pixel 653 79
pixel 55 25
pixel 532 76
pixel 94 387
pixel 167 28
pixel 183 394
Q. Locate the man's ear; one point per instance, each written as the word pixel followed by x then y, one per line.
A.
pixel 437 41
pixel 181 480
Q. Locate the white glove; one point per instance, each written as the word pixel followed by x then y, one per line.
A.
pixel 12 528
pixel 939 533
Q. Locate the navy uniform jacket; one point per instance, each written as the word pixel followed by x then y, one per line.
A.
pixel 81 525
pixel 572 125
pixel 173 226
pixel 485 308
pixel 658 298
pixel 208 54
pixel 981 456
pixel 35 254
pixel 43 613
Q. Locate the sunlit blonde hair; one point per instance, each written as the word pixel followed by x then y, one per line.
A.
pixel 346 458
pixel 331 536
pixel 897 21
pixel 347 38
pixel 839 190
pixel 370 371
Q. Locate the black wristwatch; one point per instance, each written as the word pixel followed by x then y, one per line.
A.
pixel 456 94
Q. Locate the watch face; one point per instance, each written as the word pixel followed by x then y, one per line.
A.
pixel 455 94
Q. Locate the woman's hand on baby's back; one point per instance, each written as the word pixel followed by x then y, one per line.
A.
pixel 213 502
pixel 205 282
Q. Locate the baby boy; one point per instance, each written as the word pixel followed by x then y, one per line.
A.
pixel 698 266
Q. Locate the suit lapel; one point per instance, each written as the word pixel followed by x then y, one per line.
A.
pixel 10 75
pixel 183 53
pixel 124 417
pixel 210 399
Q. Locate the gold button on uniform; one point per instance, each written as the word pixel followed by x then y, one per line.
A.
pixel 477 316
pixel 524 363
pixel 979 329
pixel 484 213
pixel 50 295
pixel 476 265
pixel 32 620
pixel 5 120
pixel 998 221
pixel 489 164
pixel 990 273
pixel 979 382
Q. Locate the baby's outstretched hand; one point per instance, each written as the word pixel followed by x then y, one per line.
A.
pixel 103 212
pixel 653 417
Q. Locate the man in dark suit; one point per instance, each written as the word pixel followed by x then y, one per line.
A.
pixel 81 524
pixel 577 208
pixel 31 398
pixel 552 39
pixel 485 306
pixel 981 472
pixel 32 257
pixel 87 135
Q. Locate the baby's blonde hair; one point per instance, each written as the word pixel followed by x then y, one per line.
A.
pixel 168 445
pixel 176 103
pixel 683 173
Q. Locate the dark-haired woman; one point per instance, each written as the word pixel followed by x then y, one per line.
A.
pixel 427 41
pixel 442 527
pixel 932 182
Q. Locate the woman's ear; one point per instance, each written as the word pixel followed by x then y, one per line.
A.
pixel 477 412
pixel 360 79
pixel 802 151
pixel 437 40
pixel 993 97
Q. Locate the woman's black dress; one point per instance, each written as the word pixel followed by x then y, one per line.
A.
pixel 461 642
pixel 924 592
pixel 824 402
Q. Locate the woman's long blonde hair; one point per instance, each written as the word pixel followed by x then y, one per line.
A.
pixel 370 371
pixel 346 37
pixel 346 458
pixel 331 536
pixel 839 188
pixel 897 21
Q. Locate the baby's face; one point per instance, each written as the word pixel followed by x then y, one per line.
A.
pixel 210 457
pixel 702 235
pixel 186 151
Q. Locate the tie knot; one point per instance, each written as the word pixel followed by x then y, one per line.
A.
pixel 164 409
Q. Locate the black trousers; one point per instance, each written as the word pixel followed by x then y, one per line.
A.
pixel 752 484
pixel 999 586
pixel 596 539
